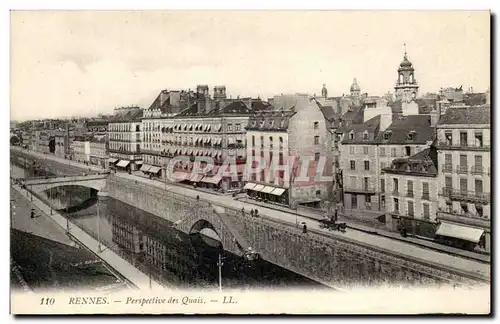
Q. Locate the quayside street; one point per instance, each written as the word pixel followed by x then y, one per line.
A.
pixel 394 246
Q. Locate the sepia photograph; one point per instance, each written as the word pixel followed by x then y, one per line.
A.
pixel 250 162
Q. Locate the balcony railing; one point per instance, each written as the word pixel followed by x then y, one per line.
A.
pixel 462 169
pixel 463 146
pixel 409 194
pixel 425 196
pixel 395 192
pixel 464 195
pixel 447 168
pixel 367 190
pixel 477 169
pixel 465 218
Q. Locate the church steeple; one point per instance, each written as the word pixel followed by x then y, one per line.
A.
pixel 406 84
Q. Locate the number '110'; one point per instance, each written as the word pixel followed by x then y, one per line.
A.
pixel 47 301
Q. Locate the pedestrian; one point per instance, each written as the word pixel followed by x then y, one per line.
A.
pixel 251 212
pixel 256 213
pixel 304 228
pixel 336 215
pixel 32 213
pixel 243 211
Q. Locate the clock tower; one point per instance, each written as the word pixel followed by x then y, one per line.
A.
pixel 406 86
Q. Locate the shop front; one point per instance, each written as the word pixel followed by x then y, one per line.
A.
pixel 266 193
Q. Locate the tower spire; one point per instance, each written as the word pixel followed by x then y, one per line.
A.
pixel 405 48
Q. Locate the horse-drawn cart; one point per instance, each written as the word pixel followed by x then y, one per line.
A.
pixel 332 225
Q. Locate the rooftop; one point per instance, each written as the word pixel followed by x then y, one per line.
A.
pixel 464 116
pixel 424 163
pixel 413 129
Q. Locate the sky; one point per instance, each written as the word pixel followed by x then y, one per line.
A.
pixel 81 63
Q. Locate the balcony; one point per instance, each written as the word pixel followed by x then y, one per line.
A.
pixel 477 169
pixel 470 196
pixel 462 169
pixel 448 168
pixel 425 196
pixel 464 218
pixel 409 194
pixel 463 146
pixel 395 193
pixel 363 190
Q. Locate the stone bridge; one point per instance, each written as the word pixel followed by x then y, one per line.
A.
pixel 333 261
pixel 94 181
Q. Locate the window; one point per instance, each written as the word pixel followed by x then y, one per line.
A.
pixel 318 193
pixel 353 165
pixel 449 206
pixel 426 210
pixel 448 138
pixel 387 136
pixel 280 157
pixel 382 151
pixel 382 185
pixel 365 135
pixel 253 141
pixel 365 150
pixel 463 185
pixel 478 139
pixel 478 186
pixel 352 179
pixel 447 159
pixel 411 211
pixel 316 140
pixel 411 136
pixel 409 185
pixel 270 142
pixel 463 138
pixel 366 180
pixel 316 125
pixel 396 205
pixel 395 185
pixel 316 157
pixel 382 166
pixel 393 152
pixel 463 161
pixel 262 142
pixel 367 165
pixel 354 201
pixel 425 190
pixel 407 150
pixel 352 150
pixel 237 127
pixel 465 210
pixel 382 201
pixel 351 135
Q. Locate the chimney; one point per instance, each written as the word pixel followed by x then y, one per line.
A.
pixel 385 121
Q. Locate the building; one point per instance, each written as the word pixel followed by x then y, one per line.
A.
pixel 46 142
pixel 411 193
pixel 124 131
pixel 464 148
pixel 61 144
pixel 218 134
pixel 99 150
pixel 296 138
pixel 80 148
pixel 97 125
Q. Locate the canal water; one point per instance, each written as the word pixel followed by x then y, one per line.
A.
pixel 167 255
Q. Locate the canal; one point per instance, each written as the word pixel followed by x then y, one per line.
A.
pixel 167 255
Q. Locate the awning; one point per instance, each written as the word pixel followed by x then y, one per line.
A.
pixel 145 167
pixel 181 176
pixel 230 140
pixel 219 141
pixel 278 191
pixel 209 128
pixel 267 189
pixel 218 127
pixel 138 162
pixel 258 187
pixel 249 186
pixel 123 163
pixel 214 180
pixel 197 177
pixel 459 231
pixel 154 169
pixel 112 160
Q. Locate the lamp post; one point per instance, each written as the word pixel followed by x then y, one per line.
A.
pixel 220 264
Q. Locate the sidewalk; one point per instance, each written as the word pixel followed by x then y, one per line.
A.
pixel 426 243
pixel 139 279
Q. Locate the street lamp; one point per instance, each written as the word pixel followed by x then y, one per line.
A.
pixel 220 264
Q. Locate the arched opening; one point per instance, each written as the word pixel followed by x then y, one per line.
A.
pixel 72 199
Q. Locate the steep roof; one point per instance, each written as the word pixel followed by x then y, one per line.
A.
pixel 370 127
pixel 470 115
pixel 424 163
pixel 127 115
pixel 275 120
pixel 236 108
pixel 413 129
pixel 426 105
pixel 474 99
pixel 259 105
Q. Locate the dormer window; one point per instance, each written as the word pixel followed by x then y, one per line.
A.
pixel 411 136
pixel 262 123
pixel 271 123
pixel 365 135
pixel 387 135
pixel 282 123
pixel 254 123
pixel 351 135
